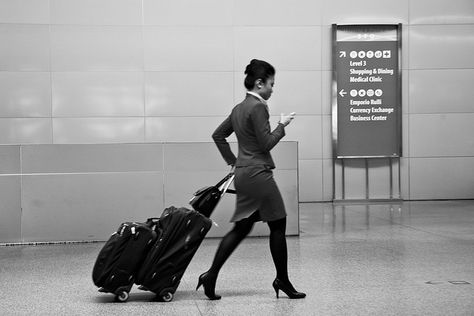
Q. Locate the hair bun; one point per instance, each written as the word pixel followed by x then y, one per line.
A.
pixel 250 67
pixel 247 70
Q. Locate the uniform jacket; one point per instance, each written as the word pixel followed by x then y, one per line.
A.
pixel 250 122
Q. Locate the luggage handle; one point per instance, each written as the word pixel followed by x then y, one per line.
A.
pixel 225 179
pixel 224 184
pixel 152 220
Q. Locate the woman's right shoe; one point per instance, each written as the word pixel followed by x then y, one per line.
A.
pixel 288 289
pixel 208 281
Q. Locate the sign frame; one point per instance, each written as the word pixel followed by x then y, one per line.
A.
pixel 358 34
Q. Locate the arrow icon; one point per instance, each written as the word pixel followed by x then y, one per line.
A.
pixel 342 93
pixel 342 54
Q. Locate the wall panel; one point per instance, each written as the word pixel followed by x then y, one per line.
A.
pixel 86 206
pixel 185 12
pixel 188 48
pixel 307 131
pixel 189 93
pixel 10 194
pixel 326 128
pixel 24 11
pixel 380 186
pixel 441 91
pixel 442 135
pixel 25 94
pixel 96 48
pixel 364 12
pixel 70 158
pixel 441 46
pixel 288 48
pixel 10 208
pixel 181 129
pixel 310 180
pixel 96 12
pixel 93 94
pixel 180 157
pixel 355 181
pixel 98 130
pixel 441 12
pixel 289 13
pixel 327 180
pixel 25 131
pixel 10 159
pixel 24 47
pixel 326 89
pixel 441 178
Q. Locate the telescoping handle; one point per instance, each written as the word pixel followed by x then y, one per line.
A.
pixel 225 179
pixel 224 186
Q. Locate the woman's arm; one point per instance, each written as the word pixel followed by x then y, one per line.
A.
pixel 219 136
pixel 266 138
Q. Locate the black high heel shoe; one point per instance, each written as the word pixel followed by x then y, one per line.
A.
pixel 288 289
pixel 208 281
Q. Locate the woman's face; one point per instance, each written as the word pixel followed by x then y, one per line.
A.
pixel 266 88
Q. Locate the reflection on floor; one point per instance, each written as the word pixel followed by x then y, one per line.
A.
pixel 412 258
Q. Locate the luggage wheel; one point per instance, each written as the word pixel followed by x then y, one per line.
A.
pixel 121 296
pixel 166 297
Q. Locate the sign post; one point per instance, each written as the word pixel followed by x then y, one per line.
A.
pixel 366 97
pixel 366 91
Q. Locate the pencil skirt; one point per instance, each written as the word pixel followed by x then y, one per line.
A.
pixel 257 191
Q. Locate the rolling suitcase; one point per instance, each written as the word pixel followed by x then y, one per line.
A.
pixel 121 257
pixel 180 232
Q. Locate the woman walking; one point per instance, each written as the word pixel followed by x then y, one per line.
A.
pixel 258 196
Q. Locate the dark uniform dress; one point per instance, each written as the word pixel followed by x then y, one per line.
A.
pixel 254 183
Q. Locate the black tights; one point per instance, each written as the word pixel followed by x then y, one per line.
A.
pixel 241 229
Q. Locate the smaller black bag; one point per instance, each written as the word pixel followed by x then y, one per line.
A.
pixel 205 199
pixel 121 257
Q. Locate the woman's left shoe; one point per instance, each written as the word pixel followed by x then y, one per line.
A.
pixel 208 281
pixel 287 288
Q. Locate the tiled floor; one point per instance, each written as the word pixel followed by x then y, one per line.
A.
pixel 413 258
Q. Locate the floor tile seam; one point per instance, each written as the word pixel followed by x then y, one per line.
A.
pixel 194 297
pixel 382 286
pixel 197 307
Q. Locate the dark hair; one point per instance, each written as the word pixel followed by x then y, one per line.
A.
pixel 257 69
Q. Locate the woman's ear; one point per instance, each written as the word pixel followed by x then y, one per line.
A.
pixel 259 83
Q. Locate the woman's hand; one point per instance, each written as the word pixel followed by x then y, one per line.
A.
pixel 286 119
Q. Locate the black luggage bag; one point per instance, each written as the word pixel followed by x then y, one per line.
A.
pixel 122 255
pixel 206 199
pixel 180 233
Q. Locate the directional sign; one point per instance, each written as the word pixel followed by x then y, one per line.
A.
pixel 366 90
